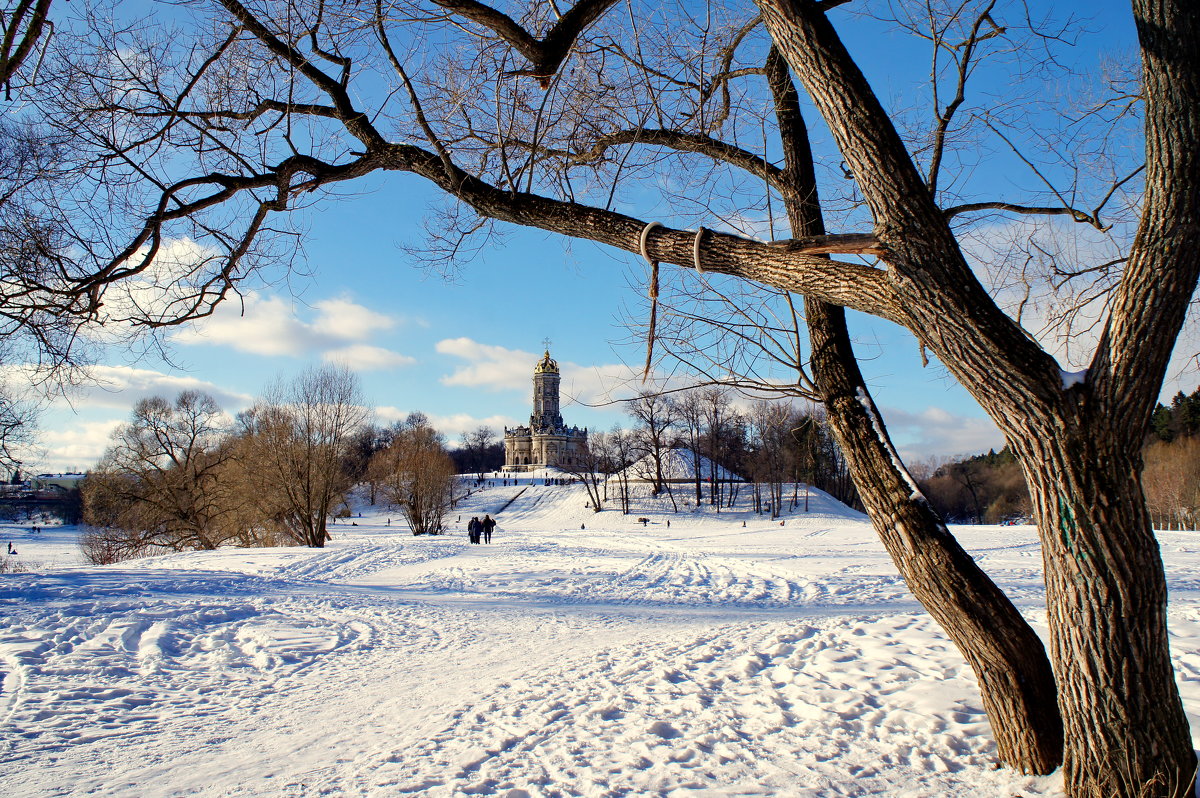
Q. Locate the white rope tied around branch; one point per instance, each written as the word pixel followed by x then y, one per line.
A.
pixel 696 251
pixel 645 235
pixel 653 297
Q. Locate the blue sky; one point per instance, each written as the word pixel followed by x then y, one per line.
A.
pixel 462 349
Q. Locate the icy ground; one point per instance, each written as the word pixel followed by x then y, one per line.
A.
pixel 699 659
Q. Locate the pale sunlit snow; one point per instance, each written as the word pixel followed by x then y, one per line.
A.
pixel 700 659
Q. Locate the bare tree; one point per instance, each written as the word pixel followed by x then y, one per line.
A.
pixel 554 153
pixel 621 453
pixel 21 29
pixel 770 425
pixel 654 435
pixel 417 474
pixel 299 435
pixel 476 443
pixel 1172 482
pixel 716 401
pixel 164 483
pixel 691 418
pixel 591 467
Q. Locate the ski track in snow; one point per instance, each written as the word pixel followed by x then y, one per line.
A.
pixel 703 659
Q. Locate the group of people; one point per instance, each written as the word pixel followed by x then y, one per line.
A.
pixel 477 529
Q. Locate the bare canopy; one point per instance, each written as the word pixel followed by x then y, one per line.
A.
pixel 655 113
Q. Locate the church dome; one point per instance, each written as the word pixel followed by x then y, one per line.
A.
pixel 547 365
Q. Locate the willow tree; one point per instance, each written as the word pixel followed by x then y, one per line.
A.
pixel 524 116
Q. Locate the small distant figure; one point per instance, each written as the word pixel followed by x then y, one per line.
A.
pixel 643 521
pixel 488 524
pixel 743 525
pixel 781 523
pixel 353 523
pixel 668 523
pixel 389 523
pixel 583 526
pixel 10 547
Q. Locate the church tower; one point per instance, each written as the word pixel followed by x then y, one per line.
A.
pixel 547 442
pixel 546 416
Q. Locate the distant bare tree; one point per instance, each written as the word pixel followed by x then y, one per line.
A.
pixel 417 474
pixel 656 419
pixel 163 484
pixel 715 401
pixel 621 452
pixel 691 422
pixel 1172 482
pixel 476 443
pixel 771 424
pixel 299 435
pixel 591 467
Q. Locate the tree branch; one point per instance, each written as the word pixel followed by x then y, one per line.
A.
pixel 546 54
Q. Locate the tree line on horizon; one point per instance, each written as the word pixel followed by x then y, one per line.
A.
pixel 769 444
pixel 990 488
pixel 183 475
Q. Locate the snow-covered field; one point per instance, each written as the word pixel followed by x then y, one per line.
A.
pixel 700 659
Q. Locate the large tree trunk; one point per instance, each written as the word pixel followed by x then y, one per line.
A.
pixel 1127 734
pixel 1016 681
pixel 1008 658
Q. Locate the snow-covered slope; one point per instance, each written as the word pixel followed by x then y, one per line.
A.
pixel 678 465
pixel 579 654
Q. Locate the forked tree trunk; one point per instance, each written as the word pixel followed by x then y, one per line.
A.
pixel 1126 734
pixel 1106 592
pixel 1015 679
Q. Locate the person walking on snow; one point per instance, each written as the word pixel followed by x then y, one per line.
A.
pixel 473 529
pixel 488 525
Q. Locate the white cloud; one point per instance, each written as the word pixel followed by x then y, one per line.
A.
pixel 363 357
pixel 493 368
pixel 121 387
pixel 348 321
pixel 74 447
pixel 263 326
pixel 935 432
pixel 271 326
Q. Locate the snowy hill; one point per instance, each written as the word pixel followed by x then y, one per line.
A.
pixel 580 654
pixel 678 465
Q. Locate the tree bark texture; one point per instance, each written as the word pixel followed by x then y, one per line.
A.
pixel 1107 598
pixel 1015 679
pixel 1126 734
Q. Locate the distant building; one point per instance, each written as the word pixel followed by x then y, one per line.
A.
pixel 547 442
pixel 63 482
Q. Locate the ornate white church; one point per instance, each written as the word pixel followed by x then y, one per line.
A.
pixel 547 442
